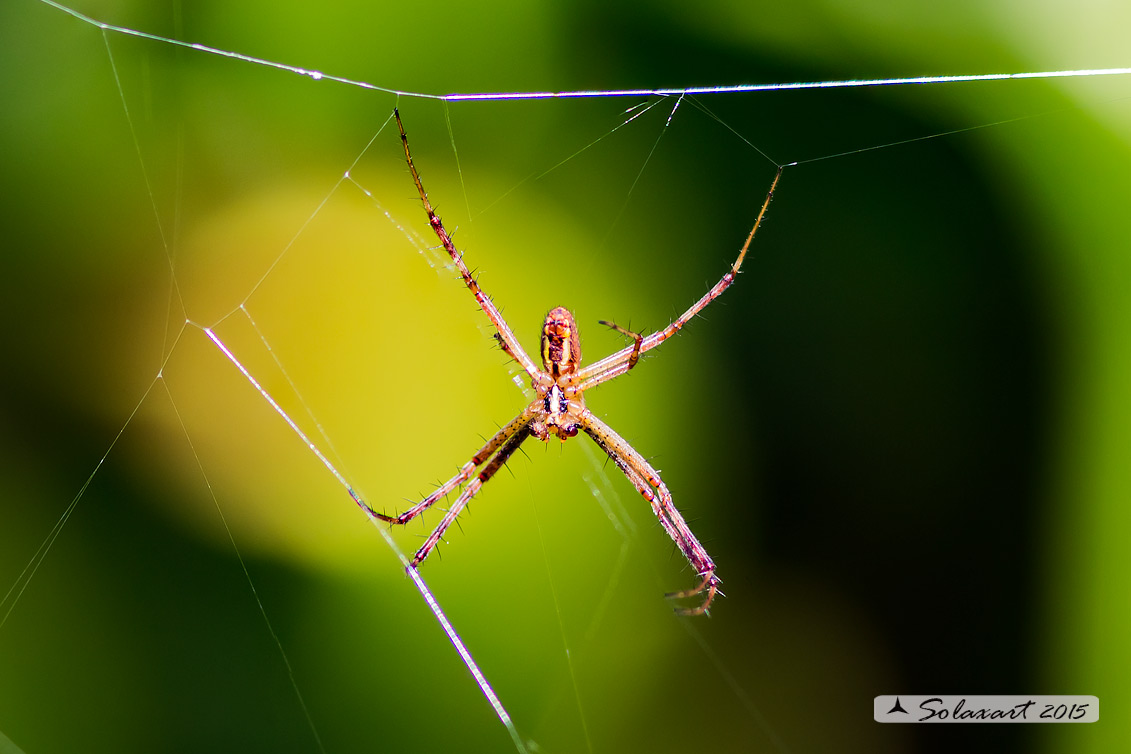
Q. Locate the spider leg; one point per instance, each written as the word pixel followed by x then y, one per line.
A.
pixel 647 481
pixel 505 452
pixel 518 425
pixel 505 336
pixel 638 341
pixel 624 359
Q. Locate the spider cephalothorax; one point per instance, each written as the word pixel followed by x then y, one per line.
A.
pixel 559 408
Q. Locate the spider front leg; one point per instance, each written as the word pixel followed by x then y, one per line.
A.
pixel 503 333
pixel 623 360
pixel 647 481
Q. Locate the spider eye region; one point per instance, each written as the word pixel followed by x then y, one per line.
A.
pixel 561 347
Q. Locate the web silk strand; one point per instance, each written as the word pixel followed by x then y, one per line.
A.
pixel 461 648
pixel 592 93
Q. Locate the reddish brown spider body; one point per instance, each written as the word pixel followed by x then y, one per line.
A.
pixel 559 408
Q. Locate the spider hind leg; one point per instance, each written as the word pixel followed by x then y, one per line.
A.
pixel 647 481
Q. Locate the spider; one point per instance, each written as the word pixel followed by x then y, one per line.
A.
pixel 559 408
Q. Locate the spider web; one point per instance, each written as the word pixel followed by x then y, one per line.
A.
pixel 173 193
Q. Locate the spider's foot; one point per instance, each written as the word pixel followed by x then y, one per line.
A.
pixel 709 585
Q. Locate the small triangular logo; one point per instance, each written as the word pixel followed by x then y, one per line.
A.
pixel 898 708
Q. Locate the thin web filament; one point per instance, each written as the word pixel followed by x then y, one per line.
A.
pixel 418 580
pixel 596 93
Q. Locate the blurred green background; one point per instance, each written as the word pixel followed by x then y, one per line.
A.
pixel 902 435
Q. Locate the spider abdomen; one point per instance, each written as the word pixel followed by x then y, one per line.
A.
pixel 561 347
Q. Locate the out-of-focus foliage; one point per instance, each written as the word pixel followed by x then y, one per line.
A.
pixel 902 434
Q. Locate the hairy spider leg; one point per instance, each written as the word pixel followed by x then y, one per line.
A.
pixel 519 424
pixel 506 338
pixel 623 360
pixel 637 338
pixel 469 491
pixel 647 481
